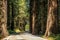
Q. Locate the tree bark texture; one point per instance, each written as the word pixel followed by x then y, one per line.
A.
pixel 3 18
pixel 33 15
pixel 51 17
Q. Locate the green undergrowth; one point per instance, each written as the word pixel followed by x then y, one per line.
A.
pixel 10 31
pixel 27 27
pixel 14 32
pixel 17 30
pixel 53 37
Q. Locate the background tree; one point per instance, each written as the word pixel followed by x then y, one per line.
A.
pixel 33 15
pixel 40 12
pixel 41 16
pixel 58 17
pixel 18 10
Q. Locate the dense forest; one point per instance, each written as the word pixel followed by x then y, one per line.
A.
pixel 38 17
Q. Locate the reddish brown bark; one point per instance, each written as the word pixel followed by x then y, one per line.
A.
pixel 52 6
pixel 3 18
pixel 33 11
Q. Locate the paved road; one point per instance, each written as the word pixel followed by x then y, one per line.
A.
pixel 24 36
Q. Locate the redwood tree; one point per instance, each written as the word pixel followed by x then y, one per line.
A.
pixel 33 16
pixel 51 17
pixel 3 18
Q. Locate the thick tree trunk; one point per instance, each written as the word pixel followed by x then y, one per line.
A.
pixel 33 23
pixel 52 7
pixel 33 15
pixel 3 18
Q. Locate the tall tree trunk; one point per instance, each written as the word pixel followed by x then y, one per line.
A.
pixel 33 11
pixel 3 18
pixel 52 7
pixel 33 23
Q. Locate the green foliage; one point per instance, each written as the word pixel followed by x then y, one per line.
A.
pixel 10 31
pixel 57 37
pixel 23 8
pixel 54 37
pixel 17 10
pixel 51 38
pixel 27 27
